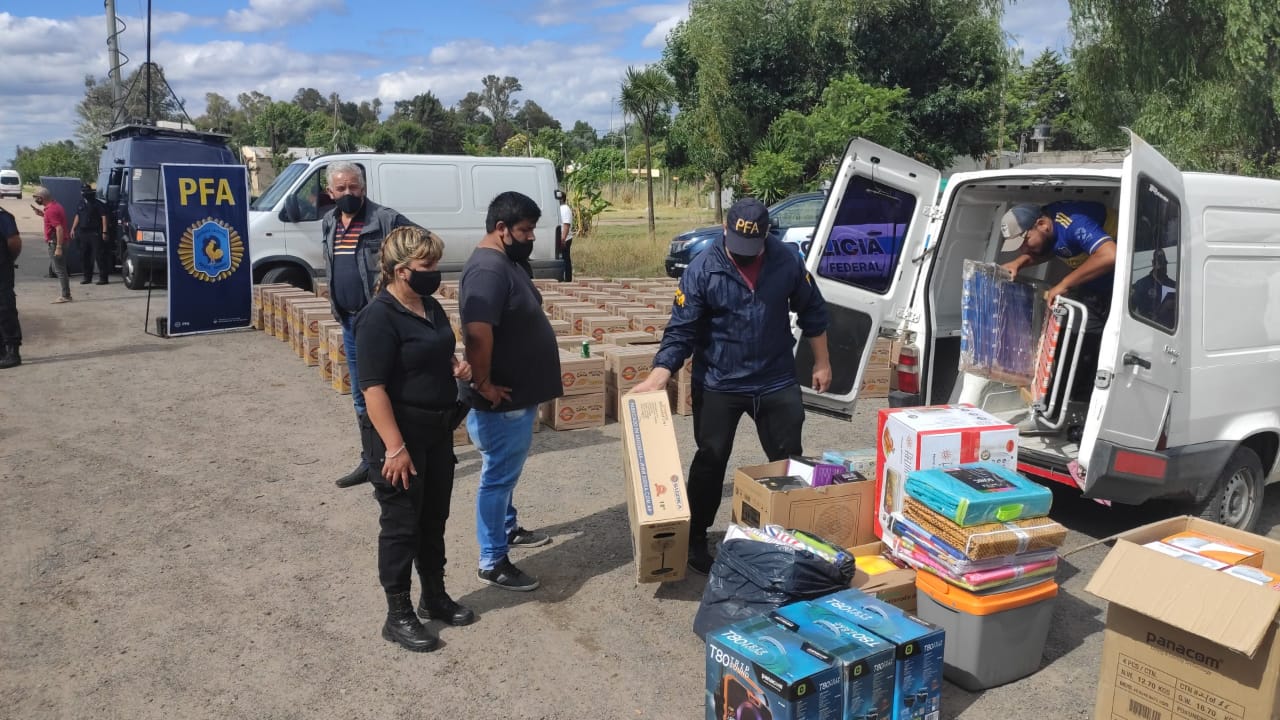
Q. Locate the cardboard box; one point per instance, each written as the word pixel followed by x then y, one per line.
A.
pixel 597 326
pixel 618 305
pixel 841 514
pixel 576 316
pixel 572 343
pixel 681 397
pixel 917 691
pixel 311 321
pixel 561 310
pixel 460 436
pixel 322 356
pixel 626 367
pixel 896 587
pixel 656 502
pixel 921 438
pixel 582 376
pixel 339 371
pixel 298 324
pixel 560 327
pixel 630 337
pixel 281 302
pixel 650 323
pixel 255 307
pixel 1216 548
pixel 574 412
pixel 268 307
pixel 757 669
pixel 1184 641
pixel 321 288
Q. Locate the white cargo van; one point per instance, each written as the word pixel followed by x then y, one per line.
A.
pixel 447 194
pixel 10 183
pixel 1185 402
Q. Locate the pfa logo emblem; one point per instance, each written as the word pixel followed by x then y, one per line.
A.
pixel 210 250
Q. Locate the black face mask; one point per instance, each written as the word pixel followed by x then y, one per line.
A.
pixel 350 204
pixel 744 260
pixel 424 282
pixel 518 251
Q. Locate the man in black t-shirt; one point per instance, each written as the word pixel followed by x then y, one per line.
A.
pixel 515 365
pixel 10 330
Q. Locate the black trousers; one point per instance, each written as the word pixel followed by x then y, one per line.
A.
pixel 566 255
pixel 779 419
pixel 10 330
pixel 93 248
pixel 412 521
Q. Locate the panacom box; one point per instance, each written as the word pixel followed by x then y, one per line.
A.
pixel 657 504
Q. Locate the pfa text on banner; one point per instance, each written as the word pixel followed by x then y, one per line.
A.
pixel 207 234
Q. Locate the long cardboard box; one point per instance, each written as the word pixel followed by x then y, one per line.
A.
pixel 1184 641
pixel 657 507
pixel 843 514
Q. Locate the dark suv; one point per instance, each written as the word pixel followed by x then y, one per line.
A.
pixel 798 214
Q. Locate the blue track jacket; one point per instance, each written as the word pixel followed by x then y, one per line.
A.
pixel 741 340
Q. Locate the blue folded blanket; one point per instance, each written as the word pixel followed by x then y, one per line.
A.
pixel 979 493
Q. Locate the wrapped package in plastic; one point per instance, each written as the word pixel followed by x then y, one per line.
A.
pixel 1000 318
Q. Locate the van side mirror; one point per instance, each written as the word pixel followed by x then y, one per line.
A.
pixel 290 213
pixel 113 194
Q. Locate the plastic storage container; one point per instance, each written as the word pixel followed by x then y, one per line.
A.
pixel 979 493
pixel 991 639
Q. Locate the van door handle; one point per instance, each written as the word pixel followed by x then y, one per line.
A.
pixel 1132 359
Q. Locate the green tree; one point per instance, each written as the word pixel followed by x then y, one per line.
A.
pixel 648 95
pixel 310 99
pixel 532 118
pixel 1042 92
pixel 55 159
pixel 99 111
pixel 802 149
pixel 1195 77
pixel 950 57
pixel 443 131
pixel 498 99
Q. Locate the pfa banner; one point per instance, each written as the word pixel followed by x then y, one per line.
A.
pixel 207 234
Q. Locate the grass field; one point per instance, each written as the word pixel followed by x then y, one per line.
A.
pixel 619 245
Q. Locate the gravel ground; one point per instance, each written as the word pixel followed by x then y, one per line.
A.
pixel 172 546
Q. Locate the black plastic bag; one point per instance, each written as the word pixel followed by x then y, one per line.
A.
pixel 752 578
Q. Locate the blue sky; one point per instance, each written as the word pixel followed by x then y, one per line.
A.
pixel 568 54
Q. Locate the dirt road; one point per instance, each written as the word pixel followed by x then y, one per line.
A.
pixel 172 546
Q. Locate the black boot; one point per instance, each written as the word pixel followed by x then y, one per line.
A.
pixel 437 605
pixel 402 626
pixel 10 357
pixel 355 477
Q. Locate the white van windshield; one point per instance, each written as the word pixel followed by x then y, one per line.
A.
pixel 267 200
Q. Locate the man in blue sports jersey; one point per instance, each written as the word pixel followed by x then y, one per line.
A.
pixel 1073 232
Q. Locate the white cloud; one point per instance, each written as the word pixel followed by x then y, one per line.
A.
pixel 657 37
pixel 271 14
pixel 1036 25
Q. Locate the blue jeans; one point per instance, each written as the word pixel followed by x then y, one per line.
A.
pixel 503 439
pixel 349 343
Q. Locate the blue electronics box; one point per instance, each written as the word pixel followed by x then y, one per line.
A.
pixel 867 658
pixel 758 670
pixel 917 693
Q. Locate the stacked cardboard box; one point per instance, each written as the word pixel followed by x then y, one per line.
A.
pixel 875 379
pixel 625 367
pixel 680 390
pixel 582 404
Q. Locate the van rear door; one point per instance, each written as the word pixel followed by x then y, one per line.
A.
pixel 864 260
pixel 1140 367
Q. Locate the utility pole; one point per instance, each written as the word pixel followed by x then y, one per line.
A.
pixel 149 120
pixel 113 52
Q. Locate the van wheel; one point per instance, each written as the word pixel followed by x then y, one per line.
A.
pixel 287 274
pixel 1236 500
pixel 134 277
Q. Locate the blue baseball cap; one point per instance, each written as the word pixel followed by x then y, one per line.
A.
pixel 746 227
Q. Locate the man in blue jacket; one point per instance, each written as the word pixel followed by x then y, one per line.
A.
pixel 732 315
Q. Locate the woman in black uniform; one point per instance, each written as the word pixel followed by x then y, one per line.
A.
pixel 408 371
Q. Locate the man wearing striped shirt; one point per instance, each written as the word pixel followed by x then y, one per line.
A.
pixel 352 233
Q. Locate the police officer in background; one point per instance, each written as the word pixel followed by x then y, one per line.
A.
pixel 90 227
pixel 732 315
pixel 10 330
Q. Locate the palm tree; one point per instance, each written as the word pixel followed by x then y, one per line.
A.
pixel 647 94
